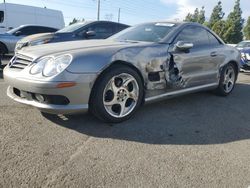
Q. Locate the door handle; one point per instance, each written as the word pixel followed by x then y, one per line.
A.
pixel 213 54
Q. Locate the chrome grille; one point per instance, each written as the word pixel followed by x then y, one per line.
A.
pixel 20 62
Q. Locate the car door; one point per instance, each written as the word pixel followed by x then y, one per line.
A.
pixel 194 65
pixel 217 55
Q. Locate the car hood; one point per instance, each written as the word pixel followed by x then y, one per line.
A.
pixel 35 37
pixel 6 35
pixel 77 47
pixel 42 36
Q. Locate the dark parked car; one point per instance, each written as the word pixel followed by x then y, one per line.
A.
pixel 243 44
pixel 8 40
pixel 245 59
pixel 114 77
pixel 77 31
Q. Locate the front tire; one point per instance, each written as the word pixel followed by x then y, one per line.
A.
pixel 117 94
pixel 228 78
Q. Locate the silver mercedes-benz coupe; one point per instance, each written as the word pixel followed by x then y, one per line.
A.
pixel 112 78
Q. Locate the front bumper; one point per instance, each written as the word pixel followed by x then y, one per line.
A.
pixel 48 108
pixel 245 61
pixel 77 96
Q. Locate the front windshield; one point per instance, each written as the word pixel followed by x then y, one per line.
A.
pixel 73 27
pixel 243 44
pixel 150 32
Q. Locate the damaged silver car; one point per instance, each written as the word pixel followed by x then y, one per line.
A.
pixel 112 78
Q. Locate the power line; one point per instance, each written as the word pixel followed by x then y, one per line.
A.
pixel 128 7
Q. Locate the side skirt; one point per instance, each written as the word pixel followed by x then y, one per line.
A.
pixel 180 92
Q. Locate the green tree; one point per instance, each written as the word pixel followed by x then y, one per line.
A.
pixel 76 20
pixel 220 28
pixel 217 15
pixel 189 18
pixel 201 16
pixel 247 29
pixel 197 16
pixel 234 25
pixel 73 21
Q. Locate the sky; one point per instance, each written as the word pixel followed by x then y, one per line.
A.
pixel 133 11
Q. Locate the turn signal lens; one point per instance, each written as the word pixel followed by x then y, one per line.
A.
pixel 66 84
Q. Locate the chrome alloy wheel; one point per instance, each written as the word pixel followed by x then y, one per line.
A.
pixel 120 95
pixel 229 79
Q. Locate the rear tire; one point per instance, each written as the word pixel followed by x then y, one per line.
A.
pixel 117 94
pixel 228 78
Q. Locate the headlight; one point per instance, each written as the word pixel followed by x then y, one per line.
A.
pixel 243 55
pixel 57 65
pixel 38 67
pixel 51 66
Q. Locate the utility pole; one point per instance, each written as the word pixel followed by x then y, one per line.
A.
pixel 119 15
pixel 98 9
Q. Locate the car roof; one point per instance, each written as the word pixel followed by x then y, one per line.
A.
pixel 34 25
pixel 104 21
pixel 181 25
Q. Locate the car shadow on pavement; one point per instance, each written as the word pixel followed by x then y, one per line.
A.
pixel 246 73
pixel 1 71
pixel 3 63
pixel 195 119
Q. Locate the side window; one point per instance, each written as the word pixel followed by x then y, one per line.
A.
pixel 1 16
pixel 121 27
pixel 46 30
pixel 213 40
pixel 248 44
pixel 102 30
pixel 197 35
pixel 29 30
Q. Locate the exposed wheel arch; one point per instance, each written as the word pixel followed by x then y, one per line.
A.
pixel 129 65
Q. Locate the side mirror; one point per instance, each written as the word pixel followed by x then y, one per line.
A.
pixel 18 33
pixel 89 34
pixel 183 46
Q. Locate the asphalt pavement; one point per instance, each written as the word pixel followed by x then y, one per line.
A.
pixel 197 140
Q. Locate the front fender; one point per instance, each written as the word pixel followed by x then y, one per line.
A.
pixel 90 61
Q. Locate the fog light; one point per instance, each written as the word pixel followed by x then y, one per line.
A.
pixel 39 97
